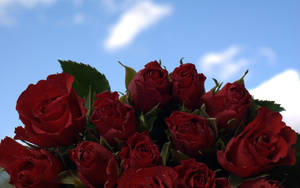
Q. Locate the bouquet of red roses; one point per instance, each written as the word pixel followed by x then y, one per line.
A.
pixel 165 131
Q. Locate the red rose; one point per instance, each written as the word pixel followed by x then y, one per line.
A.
pixel 195 174
pixel 28 168
pixel 112 118
pixel 261 183
pixel 155 177
pixel 96 166
pixel 51 111
pixel 187 85
pixel 265 142
pixel 231 102
pixel 190 132
pixel 149 87
pixel 140 152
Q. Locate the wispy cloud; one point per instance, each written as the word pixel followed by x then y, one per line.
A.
pixel 78 18
pixel 283 88
pixel 114 6
pixel 133 21
pixel 225 63
pixel 268 53
pixel 5 5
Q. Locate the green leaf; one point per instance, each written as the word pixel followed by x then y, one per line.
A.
pixel 104 143
pixel 129 74
pixel 85 76
pixel 241 80
pixel 69 178
pixel 181 60
pixel 235 180
pixel 146 122
pixel 89 102
pixel 212 122
pixel 4 179
pixel 178 156
pixel 271 105
pixel 165 151
pixel 217 87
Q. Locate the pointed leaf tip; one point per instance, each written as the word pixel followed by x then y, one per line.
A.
pixel 129 74
pixel 85 76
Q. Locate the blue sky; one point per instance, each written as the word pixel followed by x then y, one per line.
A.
pixel 222 38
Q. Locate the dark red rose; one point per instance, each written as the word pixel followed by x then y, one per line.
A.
pixel 140 152
pixel 155 177
pixel 266 142
pixel 112 118
pixel 150 87
pixel 261 183
pixel 187 85
pixel 231 102
pixel 190 132
pixel 51 111
pixel 29 168
pixel 195 174
pixel 96 166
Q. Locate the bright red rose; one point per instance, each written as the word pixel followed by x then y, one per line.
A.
pixel 195 174
pixel 29 168
pixel 190 132
pixel 51 111
pixel 231 102
pixel 187 85
pixel 150 87
pixel 155 177
pixel 112 118
pixel 266 142
pixel 140 152
pixel 96 166
pixel 261 183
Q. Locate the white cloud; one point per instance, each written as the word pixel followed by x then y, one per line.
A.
pixel 113 6
pixel 78 18
pixel 225 63
pixel 283 88
pixel 136 19
pixel 5 17
pixel 268 53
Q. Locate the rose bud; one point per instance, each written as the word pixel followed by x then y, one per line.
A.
pixel 156 177
pixel 29 168
pixel 190 132
pixel 140 152
pixel 112 118
pixel 231 102
pixel 187 85
pixel 150 87
pixel 51 111
pixel 96 166
pixel 195 174
pixel 261 182
pixel 266 142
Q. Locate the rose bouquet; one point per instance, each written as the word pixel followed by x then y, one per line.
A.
pixel 165 131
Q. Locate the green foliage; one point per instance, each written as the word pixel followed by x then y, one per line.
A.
pixel 292 173
pixel 217 87
pixel 241 80
pixel 271 105
pixel 85 76
pixel 129 74
pixel 69 178
pixel 147 120
pixel 165 151
pixel 235 180
pixel 4 179
pixel 178 156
